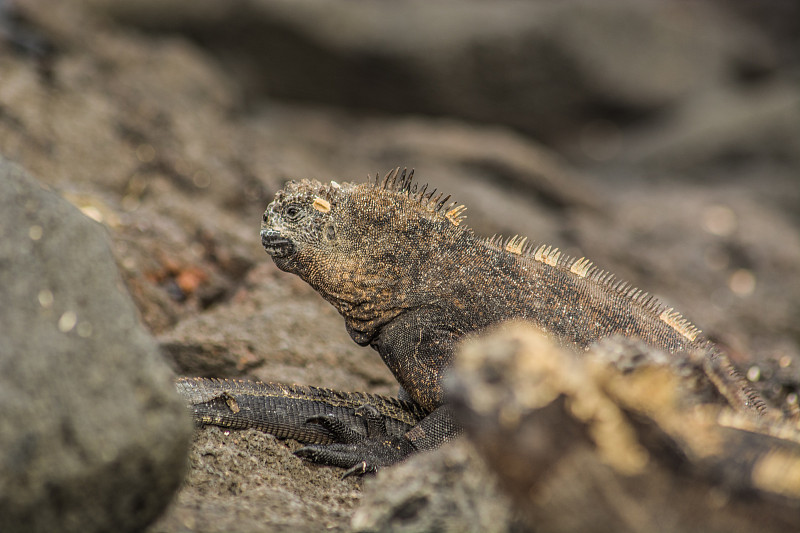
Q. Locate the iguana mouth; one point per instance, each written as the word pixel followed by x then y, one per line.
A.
pixel 275 244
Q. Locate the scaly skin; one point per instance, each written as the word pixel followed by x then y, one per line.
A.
pixel 411 281
pixel 282 410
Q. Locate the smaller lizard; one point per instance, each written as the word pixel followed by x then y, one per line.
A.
pixel 412 281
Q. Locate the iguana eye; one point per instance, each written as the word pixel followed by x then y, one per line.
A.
pixel 292 212
pixel 330 233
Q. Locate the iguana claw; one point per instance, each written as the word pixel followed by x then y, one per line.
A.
pixel 359 453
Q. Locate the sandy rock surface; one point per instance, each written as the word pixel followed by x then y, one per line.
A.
pixel 173 126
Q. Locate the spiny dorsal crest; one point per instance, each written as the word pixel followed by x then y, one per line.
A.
pixel 456 214
pixel 679 324
pixel 547 255
pixel 581 267
pixel 516 245
pixel 403 182
pixel 584 268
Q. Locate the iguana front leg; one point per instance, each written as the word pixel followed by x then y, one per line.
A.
pixel 357 452
pixel 361 454
pixel 417 350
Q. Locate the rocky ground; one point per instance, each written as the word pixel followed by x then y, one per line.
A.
pixel 661 140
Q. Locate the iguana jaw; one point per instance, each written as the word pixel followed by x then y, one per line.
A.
pixel 275 244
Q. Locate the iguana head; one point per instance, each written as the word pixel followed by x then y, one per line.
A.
pixel 299 224
pixel 368 223
pixel 359 245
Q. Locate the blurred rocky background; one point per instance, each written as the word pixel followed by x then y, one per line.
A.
pixel 660 139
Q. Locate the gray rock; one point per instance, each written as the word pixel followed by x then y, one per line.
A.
pixel 92 435
pixel 448 489
pixel 250 481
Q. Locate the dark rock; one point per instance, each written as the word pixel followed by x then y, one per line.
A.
pixel 721 126
pixel 584 445
pixel 447 490
pixel 540 67
pixel 93 437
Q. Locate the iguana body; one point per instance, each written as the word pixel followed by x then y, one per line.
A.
pixel 411 281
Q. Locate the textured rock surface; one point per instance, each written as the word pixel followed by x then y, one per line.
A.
pixel 447 490
pixel 249 481
pixel 93 437
pixel 584 445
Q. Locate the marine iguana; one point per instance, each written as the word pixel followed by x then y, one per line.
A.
pixel 411 281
